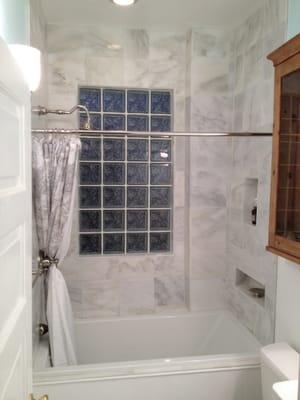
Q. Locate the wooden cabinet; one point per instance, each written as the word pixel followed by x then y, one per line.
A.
pixel 284 229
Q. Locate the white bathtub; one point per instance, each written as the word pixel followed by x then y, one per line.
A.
pixel 192 357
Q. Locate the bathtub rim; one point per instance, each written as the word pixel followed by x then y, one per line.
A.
pixel 146 368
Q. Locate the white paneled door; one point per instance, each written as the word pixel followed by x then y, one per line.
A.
pixel 15 232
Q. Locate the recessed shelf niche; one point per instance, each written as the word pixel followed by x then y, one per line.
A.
pixel 250 287
pixel 250 201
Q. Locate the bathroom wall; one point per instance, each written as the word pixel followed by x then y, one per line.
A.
pixel 209 106
pixel 294 18
pixel 88 55
pixel 251 165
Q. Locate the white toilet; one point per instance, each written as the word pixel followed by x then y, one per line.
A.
pixel 279 362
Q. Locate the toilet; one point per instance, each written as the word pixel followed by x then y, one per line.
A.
pixel 279 362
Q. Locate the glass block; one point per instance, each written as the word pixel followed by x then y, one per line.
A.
pixel 90 221
pixel 95 121
pixel 113 243
pixel 90 150
pixel 90 174
pixel 137 101
pixel 161 174
pixel 137 243
pixel 114 197
pixel 160 150
pixel 90 244
pixel 160 102
pixel 113 220
pixel 160 242
pixel 137 123
pixel 137 174
pixel 114 122
pixel 91 98
pixel 90 197
pixel 137 220
pixel 114 149
pixel 160 197
pixel 137 150
pixel 160 220
pixel 114 100
pixel 113 174
pixel 160 124
pixel 137 197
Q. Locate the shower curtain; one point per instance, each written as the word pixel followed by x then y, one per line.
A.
pixel 55 163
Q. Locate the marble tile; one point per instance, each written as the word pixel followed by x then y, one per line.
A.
pixel 101 299
pixel 169 291
pixel 206 294
pixel 137 297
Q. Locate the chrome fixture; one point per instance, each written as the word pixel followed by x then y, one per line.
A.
pixel 124 3
pixel 257 292
pixel 44 263
pixel 43 329
pixel 40 110
pixel 94 133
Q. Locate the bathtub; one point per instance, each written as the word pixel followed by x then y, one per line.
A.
pixel 193 356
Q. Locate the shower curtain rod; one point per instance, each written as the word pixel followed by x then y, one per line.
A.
pixel 94 133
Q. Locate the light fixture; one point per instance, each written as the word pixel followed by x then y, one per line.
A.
pixel 124 3
pixel 29 61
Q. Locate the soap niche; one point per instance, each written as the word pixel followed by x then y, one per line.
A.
pixel 250 287
pixel 250 201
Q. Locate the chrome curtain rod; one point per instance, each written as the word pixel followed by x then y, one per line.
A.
pixel 94 133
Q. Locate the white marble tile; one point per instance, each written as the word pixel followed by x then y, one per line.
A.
pixel 137 296
pixel 100 298
pixel 207 294
pixel 169 291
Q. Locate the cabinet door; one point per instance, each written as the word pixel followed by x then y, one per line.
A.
pixel 285 199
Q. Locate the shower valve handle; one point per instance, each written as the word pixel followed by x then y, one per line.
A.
pixel 45 397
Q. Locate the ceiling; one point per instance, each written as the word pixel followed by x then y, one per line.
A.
pixel 161 14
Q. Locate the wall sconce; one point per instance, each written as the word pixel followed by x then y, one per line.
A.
pixel 29 61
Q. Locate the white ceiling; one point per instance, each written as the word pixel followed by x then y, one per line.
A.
pixel 179 14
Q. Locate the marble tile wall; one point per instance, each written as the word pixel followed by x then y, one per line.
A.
pixel 88 55
pixel 209 99
pixel 252 87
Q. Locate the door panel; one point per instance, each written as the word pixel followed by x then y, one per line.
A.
pixel 15 232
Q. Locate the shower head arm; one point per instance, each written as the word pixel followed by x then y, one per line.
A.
pixel 40 110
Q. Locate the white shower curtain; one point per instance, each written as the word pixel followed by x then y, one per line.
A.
pixel 55 163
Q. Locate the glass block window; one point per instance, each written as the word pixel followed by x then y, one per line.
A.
pixel 126 183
